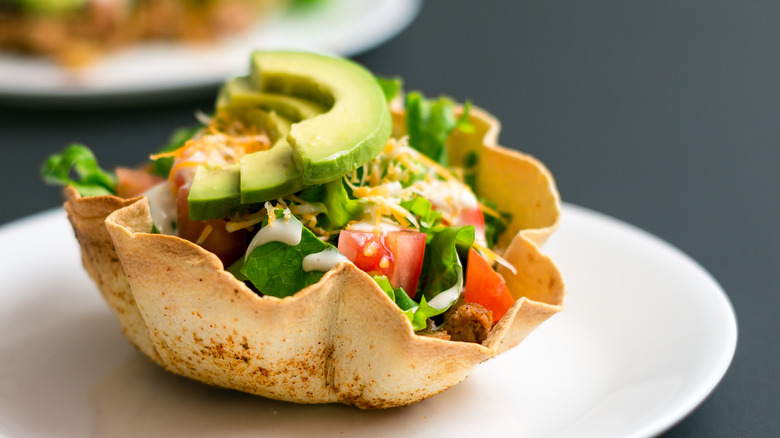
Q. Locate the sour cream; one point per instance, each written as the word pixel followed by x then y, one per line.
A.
pixel 447 196
pixel 287 229
pixel 162 206
pixel 445 298
pixel 324 260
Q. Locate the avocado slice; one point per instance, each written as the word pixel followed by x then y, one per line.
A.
pixel 273 174
pixel 216 192
pixel 326 116
pixel 238 92
pixel 353 130
pixel 272 171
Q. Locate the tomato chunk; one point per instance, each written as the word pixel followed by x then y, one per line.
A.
pixel 395 254
pixel 473 216
pixel 486 287
pixel 226 245
pixel 133 182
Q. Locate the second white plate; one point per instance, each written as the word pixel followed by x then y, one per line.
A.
pixel 646 335
pixel 343 27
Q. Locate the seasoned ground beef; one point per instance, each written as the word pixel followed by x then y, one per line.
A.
pixel 469 323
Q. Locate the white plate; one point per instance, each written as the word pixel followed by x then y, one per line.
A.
pixel 646 336
pixel 344 27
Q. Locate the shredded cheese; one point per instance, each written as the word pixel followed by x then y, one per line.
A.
pixel 489 211
pixel 204 234
pixel 490 255
pixel 246 221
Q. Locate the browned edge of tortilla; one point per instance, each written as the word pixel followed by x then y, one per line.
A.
pixel 339 340
pixel 522 186
pixel 87 216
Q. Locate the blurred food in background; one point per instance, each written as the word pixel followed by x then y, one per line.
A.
pixel 76 32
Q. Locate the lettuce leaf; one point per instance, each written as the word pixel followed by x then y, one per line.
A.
pixel 441 267
pixel 391 87
pixel 397 294
pixel 422 208
pixel 89 178
pixel 339 207
pixel 494 226
pixel 276 268
pixel 430 122
pixel 417 314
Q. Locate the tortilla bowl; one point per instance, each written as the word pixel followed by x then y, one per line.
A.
pixel 339 340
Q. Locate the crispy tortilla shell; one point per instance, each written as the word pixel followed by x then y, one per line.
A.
pixel 339 340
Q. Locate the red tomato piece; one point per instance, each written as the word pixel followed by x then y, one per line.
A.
pixel 486 287
pixel 395 254
pixel 473 216
pixel 226 245
pixel 408 247
pixel 132 182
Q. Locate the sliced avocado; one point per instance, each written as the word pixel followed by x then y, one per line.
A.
pixel 238 92
pixel 216 192
pixel 341 122
pixel 271 173
pixel 354 129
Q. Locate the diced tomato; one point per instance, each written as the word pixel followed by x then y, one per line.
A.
pixel 408 247
pixel 486 287
pixel 132 182
pixel 395 254
pixel 473 216
pixel 226 245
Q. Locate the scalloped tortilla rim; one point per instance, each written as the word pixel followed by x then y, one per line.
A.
pixel 339 340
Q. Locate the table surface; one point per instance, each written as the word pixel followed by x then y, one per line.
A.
pixel 665 114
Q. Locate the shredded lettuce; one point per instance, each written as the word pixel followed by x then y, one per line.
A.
pixel 470 162
pixel 494 226
pixel 441 265
pixel 420 314
pixel 89 178
pixel 427 217
pixel 417 314
pixel 340 208
pixel 397 294
pixel 390 86
pixel 430 122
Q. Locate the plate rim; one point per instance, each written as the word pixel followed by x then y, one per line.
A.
pixel 654 425
pixel 403 13
pixel 727 351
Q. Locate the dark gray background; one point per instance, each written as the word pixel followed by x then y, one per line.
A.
pixel 665 114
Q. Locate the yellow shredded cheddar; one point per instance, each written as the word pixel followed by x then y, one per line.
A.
pixel 205 234
pixel 490 255
pixel 489 211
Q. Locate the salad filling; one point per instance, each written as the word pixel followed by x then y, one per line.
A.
pixel 404 217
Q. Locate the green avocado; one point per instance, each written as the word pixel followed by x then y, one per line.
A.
pixel 353 130
pixel 216 192
pixel 325 116
pixel 238 92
